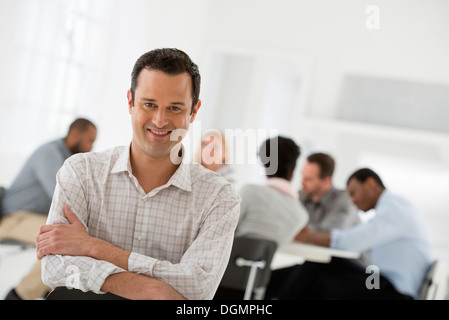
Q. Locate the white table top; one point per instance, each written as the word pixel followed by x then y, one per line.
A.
pixel 297 252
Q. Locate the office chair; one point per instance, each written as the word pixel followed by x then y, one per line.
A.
pixel 64 293
pixel 248 272
pixel 2 191
pixel 433 286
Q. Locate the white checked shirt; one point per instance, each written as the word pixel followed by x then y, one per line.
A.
pixel 180 233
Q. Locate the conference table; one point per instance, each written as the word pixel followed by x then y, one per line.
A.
pixel 297 252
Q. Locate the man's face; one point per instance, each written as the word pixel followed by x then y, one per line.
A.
pixel 311 182
pixel 359 194
pixel 85 141
pixel 162 106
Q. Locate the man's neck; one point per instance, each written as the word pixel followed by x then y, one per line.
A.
pixel 152 172
pixel 316 197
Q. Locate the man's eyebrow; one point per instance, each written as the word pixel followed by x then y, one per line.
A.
pixel 178 103
pixel 154 100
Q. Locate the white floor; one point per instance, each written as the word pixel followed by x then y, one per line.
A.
pixel 15 262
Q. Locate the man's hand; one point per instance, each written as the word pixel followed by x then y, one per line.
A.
pixel 303 234
pixel 307 235
pixel 66 239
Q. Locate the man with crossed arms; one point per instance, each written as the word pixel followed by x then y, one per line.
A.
pixel 137 221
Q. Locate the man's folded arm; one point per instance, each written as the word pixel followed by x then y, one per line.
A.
pixel 83 273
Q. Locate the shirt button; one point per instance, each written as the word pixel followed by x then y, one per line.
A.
pixel 139 238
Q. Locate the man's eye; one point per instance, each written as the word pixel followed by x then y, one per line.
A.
pixel 150 105
pixel 175 108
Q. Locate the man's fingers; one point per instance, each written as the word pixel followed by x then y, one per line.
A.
pixel 68 213
pixel 45 228
pixel 43 247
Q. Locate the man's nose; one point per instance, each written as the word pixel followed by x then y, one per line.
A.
pixel 159 118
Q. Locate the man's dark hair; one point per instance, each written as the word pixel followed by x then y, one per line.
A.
pixel 325 162
pixel 286 154
pixel 81 124
pixel 170 61
pixel 362 174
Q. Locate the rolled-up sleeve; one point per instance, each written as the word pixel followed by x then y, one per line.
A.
pixel 365 236
pixel 84 273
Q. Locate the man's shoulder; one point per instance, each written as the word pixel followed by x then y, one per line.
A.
pixel 398 201
pixel 336 194
pixel 199 174
pixel 97 157
pixel 252 188
pixel 209 180
pixel 49 147
pixel 260 193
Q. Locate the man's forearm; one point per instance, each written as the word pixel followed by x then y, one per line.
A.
pixel 127 284
pixel 321 238
pixel 139 287
pixel 103 250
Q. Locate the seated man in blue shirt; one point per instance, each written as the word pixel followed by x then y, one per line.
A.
pixel 27 200
pixel 397 237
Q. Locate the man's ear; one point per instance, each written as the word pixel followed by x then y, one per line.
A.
pixel 130 101
pixel 327 181
pixel 195 111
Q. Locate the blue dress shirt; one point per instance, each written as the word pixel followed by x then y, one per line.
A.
pixel 32 189
pixel 399 240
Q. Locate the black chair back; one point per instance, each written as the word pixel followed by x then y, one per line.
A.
pixel 64 293
pixel 428 282
pixel 248 271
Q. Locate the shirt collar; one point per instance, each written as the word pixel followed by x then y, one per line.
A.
pixel 123 162
pixel 326 197
pixel 284 186
pixel 382 197
pixel 180 179
pixel 323 200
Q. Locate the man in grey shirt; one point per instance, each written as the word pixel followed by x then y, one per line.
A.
pixel 27 200
pixel 328 207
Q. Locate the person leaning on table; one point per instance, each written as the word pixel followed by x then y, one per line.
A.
pixel 328 207
pixel 26 202
pixel 397 235
pixel 138 221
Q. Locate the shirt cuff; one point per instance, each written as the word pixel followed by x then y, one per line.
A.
pixel 335 238
pixel 141 264
pixel 99 272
